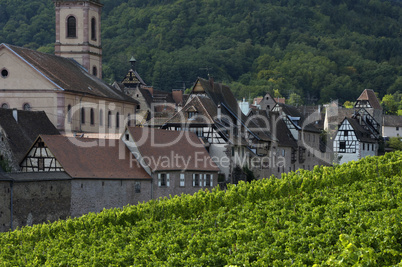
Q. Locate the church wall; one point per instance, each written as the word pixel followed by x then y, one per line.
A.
pixel 20 75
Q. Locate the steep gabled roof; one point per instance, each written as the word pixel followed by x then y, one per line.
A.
pixel 362 134
pixel 22 133
pixel 205 108
pixel 94 158
pixel 164 150
pixel 67 75
pixel 292 112
pixel 369 95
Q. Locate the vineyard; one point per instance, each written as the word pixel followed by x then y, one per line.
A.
pixel 331 216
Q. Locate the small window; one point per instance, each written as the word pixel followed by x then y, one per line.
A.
pixel 71 27
pixel 191 114
pixel 137 187
pixel 92 116
pixel 182 179
pixel 163 179
pixel 342 146
pixel 207 180
pixel 101 117
pixel 196 179
pixel 26 106
pixel 94 71
pixel 41 165
pixel 397 128
pixel 83 115
pixel 69 114
pixel 4 73
pixel 109 119
pixel 127 137
pixel 363 146
pixel 4 105
pixel 93 29
pixel 138 106
pixel 128 119
pixel 346 133
pixel 117 120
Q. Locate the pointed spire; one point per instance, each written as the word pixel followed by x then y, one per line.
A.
pixel 132 61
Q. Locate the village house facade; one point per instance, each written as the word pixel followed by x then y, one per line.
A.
pixel 18 130
pixel 177 161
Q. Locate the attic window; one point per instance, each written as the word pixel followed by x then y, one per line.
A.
pixel 4 73
pixel 192 114
pixel 4 105
pixel 26 106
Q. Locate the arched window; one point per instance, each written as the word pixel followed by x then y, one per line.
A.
pixel 71 27
pixel 92 116
pixel 109 122
pixel 117 120
pixel 83 115
pixel 94 71
pixel 26 106
pixel 101 117
pixel 93 29
pixel 4 105
pixel 129 120
pixel 69 113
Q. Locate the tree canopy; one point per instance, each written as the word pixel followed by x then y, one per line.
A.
pixel 320 50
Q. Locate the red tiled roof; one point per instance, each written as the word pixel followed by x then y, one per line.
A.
pixel 94 158
pixel 68 75
pixel 164 150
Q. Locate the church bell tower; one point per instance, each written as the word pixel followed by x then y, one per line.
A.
pixel 78 34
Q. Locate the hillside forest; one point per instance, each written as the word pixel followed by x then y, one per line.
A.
pixel 317 50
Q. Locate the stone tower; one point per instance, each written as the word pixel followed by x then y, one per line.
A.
pixel 78 36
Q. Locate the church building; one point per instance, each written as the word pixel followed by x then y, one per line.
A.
pixel 68 85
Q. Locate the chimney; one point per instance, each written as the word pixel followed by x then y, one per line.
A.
pixel 177 95
pixel 219 112
pixel 15 114
pixel 211 82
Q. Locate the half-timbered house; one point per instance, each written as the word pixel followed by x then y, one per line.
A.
pixel 103 175
pixel 353 141
pixel 18 130
pixel 213 114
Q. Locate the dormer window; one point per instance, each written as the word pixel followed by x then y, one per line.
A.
pixel 192 114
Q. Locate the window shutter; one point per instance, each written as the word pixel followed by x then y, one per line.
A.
pixel 159 179
pixel 167 179
pixel 193 179
pixel 205 180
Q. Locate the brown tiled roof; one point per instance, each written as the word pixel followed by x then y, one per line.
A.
pixel 369 95
pixel 94 158
pixel 68 75
pixel 392 121
pixel 165 150
pixel 22 134
pixel 205 108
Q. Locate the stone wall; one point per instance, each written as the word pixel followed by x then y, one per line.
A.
pixel 89 195
pixel 35 199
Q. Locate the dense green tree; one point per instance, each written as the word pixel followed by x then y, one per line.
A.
pixel 320 50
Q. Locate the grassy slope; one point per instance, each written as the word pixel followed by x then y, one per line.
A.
pixel 329 216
